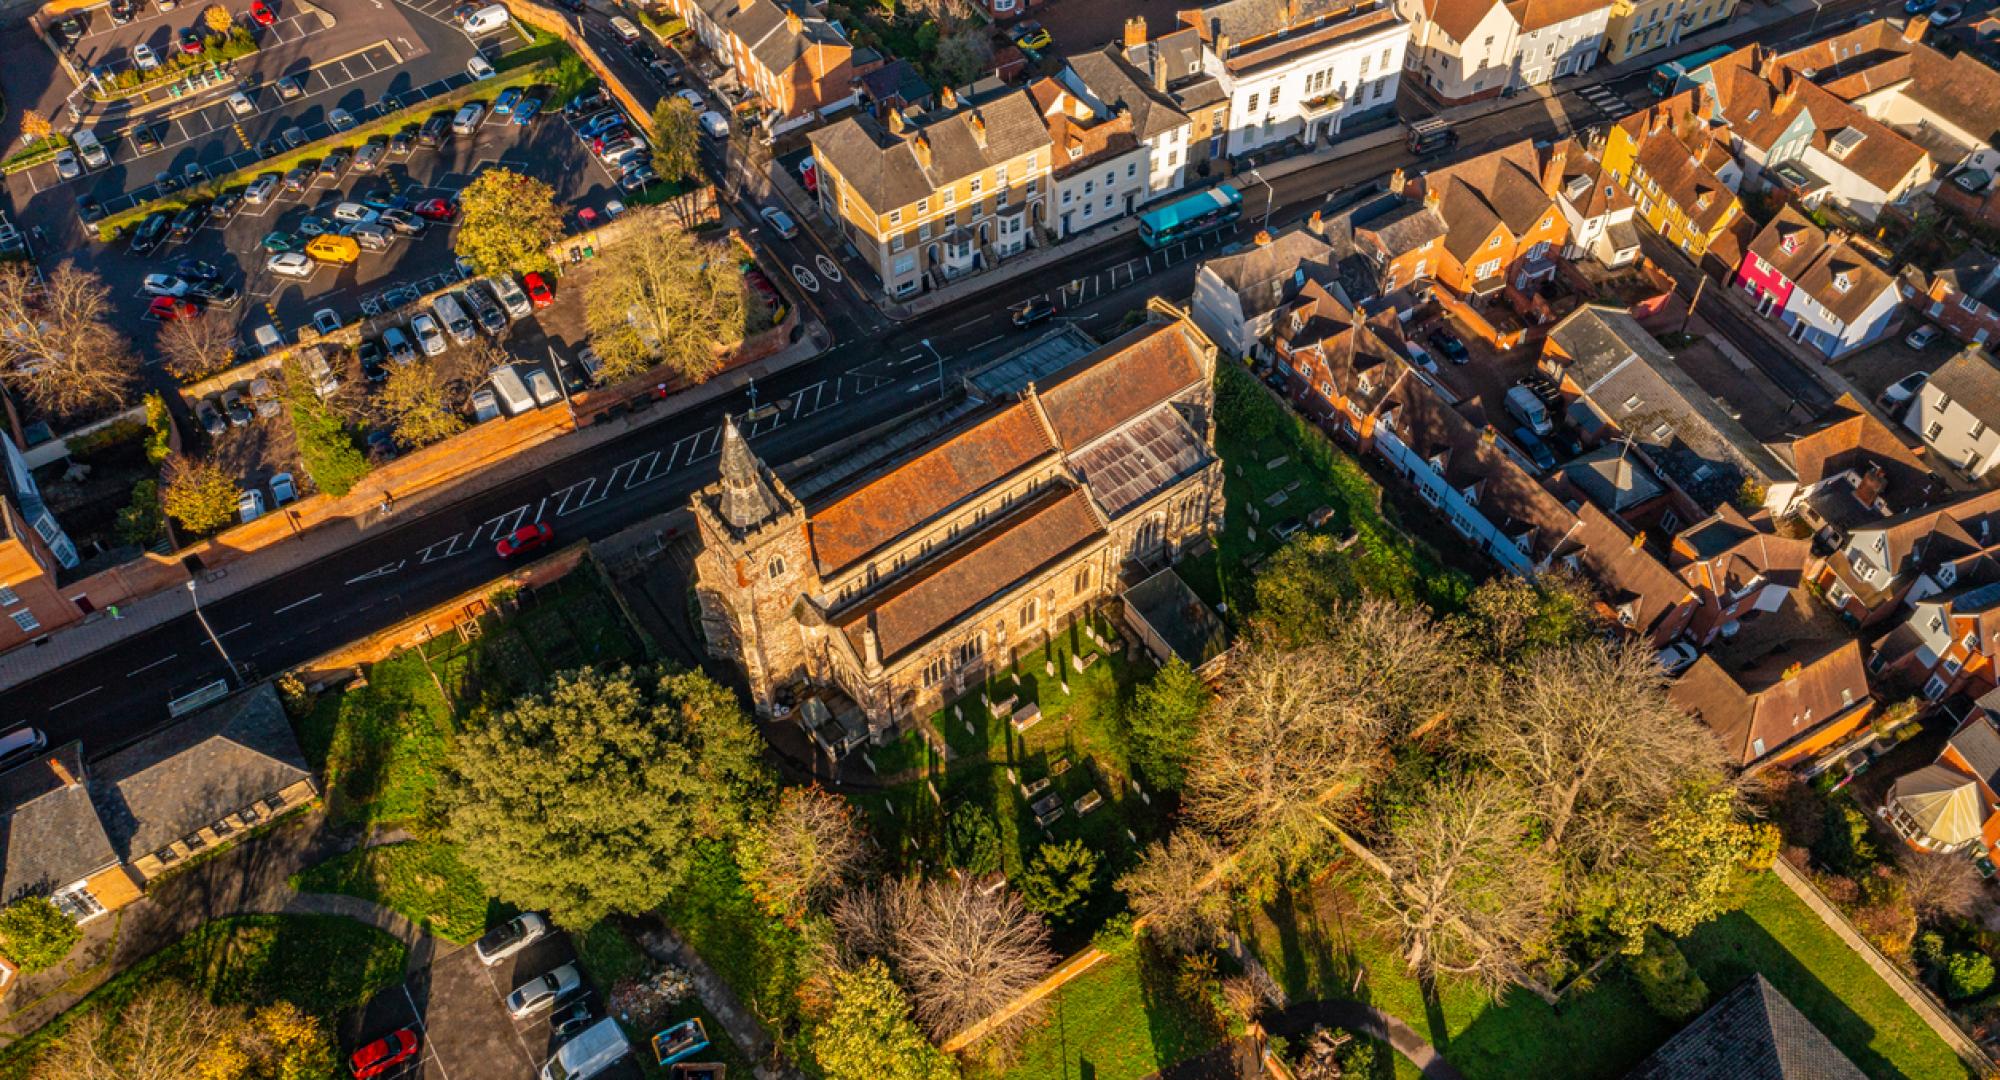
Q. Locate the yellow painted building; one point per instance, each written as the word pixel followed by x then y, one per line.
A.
pixel 1640 26
pixel 1681 178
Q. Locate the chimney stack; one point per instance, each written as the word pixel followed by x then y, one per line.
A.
pixel 1316 224
pixel 978 126
pixel 1263 237
pixel 743 6
pixel 1431 197
pixel 62 772
pixel 793 23
pixel 1222 46
pixel 1135 31
pixel 948 98
pixel 1916 28
pixel 1552 173
pixel 898 125
pixel 1767 63
pixel 1157 60
pixel 1787 97
pixel 1398 180
pixel 922 148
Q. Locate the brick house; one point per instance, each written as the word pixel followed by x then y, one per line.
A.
pixel 55 844
pixel 1964 297
pixel 1476 226
pixel 34 550
pixel 1948 805
pixel 1738 568
pixel 904 572
pixel 791 57
pixel 1850 469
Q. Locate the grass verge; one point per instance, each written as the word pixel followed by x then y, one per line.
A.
pixel 421 880
pixel 1121 1020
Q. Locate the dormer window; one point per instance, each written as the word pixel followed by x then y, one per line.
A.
pixel 1075 152
pixel 1841 282
pixel 1789 244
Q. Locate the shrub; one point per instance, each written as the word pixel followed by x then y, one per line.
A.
pixel 327 451
pixel 141 520
pixel 1670 987
pixel 972 841
pixel 1967 974
pixel 1846 846
pixel 1117 937
pixel 159 429
pixel 35 934
pixel 1059 879
pixel 87 446
pixel 200 495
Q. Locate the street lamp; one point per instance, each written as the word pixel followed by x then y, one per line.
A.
pixel 1267 199
pixel 216 641
pixel 940 366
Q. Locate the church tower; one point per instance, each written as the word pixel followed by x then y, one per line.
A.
pixel 755 564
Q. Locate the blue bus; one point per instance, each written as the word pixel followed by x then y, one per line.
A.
pixel 1192 216
pixel 1669 75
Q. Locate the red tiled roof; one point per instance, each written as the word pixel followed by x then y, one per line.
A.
pixel 926 484
pixel 1120 381
pixel 952 587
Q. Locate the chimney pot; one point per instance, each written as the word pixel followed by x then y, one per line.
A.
pixel 1135 31
pixel 793 22
pixel 1916 28
pixel 922 148
pixel 897 125
pixel 978 126
pixel 62 772
pixel 1158 62
pixel 1263 237
pixel 1398 180
pixel 948 98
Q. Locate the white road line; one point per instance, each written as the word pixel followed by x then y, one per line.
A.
pixel 75 699
pixel 423 1029
pixel 987 342
pixel 298 603
pixel 226 633
pixel 152 665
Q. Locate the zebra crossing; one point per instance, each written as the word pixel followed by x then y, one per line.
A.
pixel 1606 102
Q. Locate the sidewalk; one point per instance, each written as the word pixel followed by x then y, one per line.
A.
pixel 99 631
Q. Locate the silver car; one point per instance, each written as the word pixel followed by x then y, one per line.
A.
pixel 543 991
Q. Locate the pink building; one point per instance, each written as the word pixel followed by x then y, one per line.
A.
pixel 1777 258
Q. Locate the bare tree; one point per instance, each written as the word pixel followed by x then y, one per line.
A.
pixel 1173 891
pixel 961 952
pixel 166 1032
pixel 1588 736
pixel 194 349
pixel 805 851
pixel 1468 891
pixel 659 296
pixel 1389 656
pixel 57 349
pixel 1940 887
pixel 1291 739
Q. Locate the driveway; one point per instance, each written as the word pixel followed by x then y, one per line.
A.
pixel 457 1005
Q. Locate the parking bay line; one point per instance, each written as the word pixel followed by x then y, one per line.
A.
pixel 423 1028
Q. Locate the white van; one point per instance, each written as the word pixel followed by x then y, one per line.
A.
pixel 625 30
pixel 456 322
pixel 514 396
pixel 486 20
pixel 590 1053
pixel 89 149
pixel 1528 409
pixel 512 299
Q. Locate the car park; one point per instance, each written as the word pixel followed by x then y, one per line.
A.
pixel 370 155
pixel 144 57
pixel 260 189
pixel 466 121
pixel 429 335
pixel 250 506
pixel 384 1054
pixel 780 222
pixel 401 349
pixel 504 104
pixel 291 87
pixel 291 264
pixel 525 539
pixel 544 991
pixel 538 290
pixel 509 938
pixel 169 309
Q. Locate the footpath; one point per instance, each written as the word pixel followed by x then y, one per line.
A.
pixel 102 629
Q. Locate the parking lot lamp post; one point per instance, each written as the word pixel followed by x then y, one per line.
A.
pixel 562 384
pixel 216 641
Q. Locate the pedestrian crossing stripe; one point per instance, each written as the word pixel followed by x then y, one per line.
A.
pixel 271 309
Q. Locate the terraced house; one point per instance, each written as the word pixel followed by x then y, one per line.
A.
pixel 1475 226
pixel 929 199
pixel 899 575
pixel 1466 50
pixel 1640 26
pixel 795 61
pixel 1682 178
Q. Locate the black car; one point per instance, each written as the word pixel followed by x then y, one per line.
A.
pixel 150 232
pixel 123 10
pixel 585 103
pixel 1029 312
pixel 1447 343
pixel 644 53
pixel 374 362
pixel 434 131
pixel 167 183
pixel 216 292
pixel 492 320
pixel 1537 450
pixel 197 270
pixel 271 147
pixel 89 210
pixel 70 30
pixel 225 205
pixel 577 6
pixel 187 221
pixel 400 143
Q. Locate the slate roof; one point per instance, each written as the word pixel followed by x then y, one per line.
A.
pixel 1972 378
pixel 1264 276
pixel 1407 227
pixel 1116 82
pixel 197 771
pixel 951 588
pixel 49 829
pixel 1629 377
pixel 1978 742
pixel 884 170
pixel 896 81
pixel 956 467
pixel 1976 273
pixel 1752 1033
pixel 763 29
pixel 1123 379
pixel 1614 477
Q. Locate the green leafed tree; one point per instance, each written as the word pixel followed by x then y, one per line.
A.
pixel 676 140
pixel 419 406
pixel 326 448
pixel 1164 717
pixel 1700 847
pixel 507 222
pixel 972 840
pixel 199 495
pixel 659 296
pixel 1059 880
pixel 35 934
pixel 868 1034
pixel 588 799
pixel 1306 583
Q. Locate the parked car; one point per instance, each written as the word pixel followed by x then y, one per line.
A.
pixel 216 292
pixel 1677 657
pixel 20 743
pixel 260 189
pixel 225 205
pixel 1447 343
pixel 192 269
pixel 297 179
pixel 543 991
pixel 527 110
pixel 291 87
pixel 144 57
pixel 436 210
pixel 326 321
pixel 693 98
pixel 210 418
pixel 510 937
pixel 170 308
pixel 1029 312
pixel 504 104
pixel 1902 390
pixel 478 68
pixel 370 155
pixel 341 119
pixel 715 124
pixel 89 210
pixel 401 142
pixel 401 349
pixel 1922 336
pixel 637 177
pixel 190 41
pixel 1528 409
pixel 188 220
pixel 150 232
pixel 434 131
pixel 780 222
pixel 538 290
pixel 383 1054
pixel 278 242
pixel 261 12
pixel 163 285
pixel 1537 450
pixel 1946 15
pixel 429 334
pixel 466 122
pixel 292 264
pixel 67 165
pixel 283 489
pixel 236 408
pixel 523 540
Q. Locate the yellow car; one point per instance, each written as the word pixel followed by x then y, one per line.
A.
pixel 1031 36
pixel 333 248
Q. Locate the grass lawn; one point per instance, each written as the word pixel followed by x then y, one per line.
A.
pixel 758 956
pixel 1118 1021
pixel 422 880
pixel 1278 466
pixel 323 964
pixel 1325 946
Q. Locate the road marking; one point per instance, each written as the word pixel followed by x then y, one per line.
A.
pixel 298 603
pixel 381 571
pixel 152 665
pixel 827 269
pixel 805 278
pixel 563 506
pixel 226 633
pixel 423 1029
pixel 987 342
pixel 75 699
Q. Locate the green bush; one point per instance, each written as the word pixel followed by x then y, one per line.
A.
pixel 141 520
pixel 36 935
pixel 330 456
pixel 1669 986
pixel 159 429
pixel 1117 937
pixel 1967 974
pixel 1845 847
pixel 972 840
pixel 96 442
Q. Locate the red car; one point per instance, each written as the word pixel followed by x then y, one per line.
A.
pixel 191 41
pixel 525 539
pixel 169 308
pixel 383 1054
pixel 436 210
pixel 538 290
pixel 261 11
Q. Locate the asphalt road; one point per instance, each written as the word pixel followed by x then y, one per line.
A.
pixel 874 374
